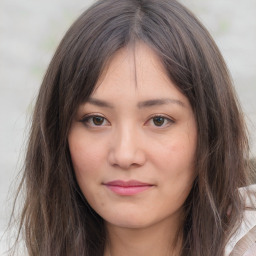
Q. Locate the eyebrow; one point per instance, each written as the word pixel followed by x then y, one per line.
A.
pixel 141 104
pixel 159 102
pixel 100 103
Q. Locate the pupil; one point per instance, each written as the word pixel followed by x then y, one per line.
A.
pixel 97 120
pixel 158 121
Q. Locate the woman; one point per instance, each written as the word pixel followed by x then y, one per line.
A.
pixel 137 145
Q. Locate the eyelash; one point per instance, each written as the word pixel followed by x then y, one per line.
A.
pixel 88 121
pixel 167 120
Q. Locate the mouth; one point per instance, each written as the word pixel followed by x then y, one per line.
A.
pixel 127 188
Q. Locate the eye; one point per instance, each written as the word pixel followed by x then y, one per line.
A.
pixel 160 121
pixel 95 121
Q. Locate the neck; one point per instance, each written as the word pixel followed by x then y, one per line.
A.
pixel 161 239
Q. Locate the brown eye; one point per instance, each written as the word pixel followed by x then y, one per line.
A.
pixel 158 120
pixel 98 120
pixel 94 121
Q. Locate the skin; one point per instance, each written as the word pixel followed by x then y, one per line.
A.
pixel 127 142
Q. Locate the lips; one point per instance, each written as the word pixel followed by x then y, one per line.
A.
pixel 127 188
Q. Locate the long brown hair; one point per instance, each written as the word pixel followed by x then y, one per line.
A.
pixel 56 218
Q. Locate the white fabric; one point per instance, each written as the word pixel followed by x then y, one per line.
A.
pixel 248 223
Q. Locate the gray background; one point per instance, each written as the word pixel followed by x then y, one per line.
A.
pixel 30 31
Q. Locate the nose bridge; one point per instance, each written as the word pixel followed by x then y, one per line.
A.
pixel 126 136
pixel 126 149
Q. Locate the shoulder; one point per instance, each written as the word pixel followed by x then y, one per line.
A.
pixel 243 242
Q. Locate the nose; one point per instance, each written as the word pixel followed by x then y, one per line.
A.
pixel 126 150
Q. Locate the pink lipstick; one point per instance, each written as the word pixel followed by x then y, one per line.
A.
pixel 127 188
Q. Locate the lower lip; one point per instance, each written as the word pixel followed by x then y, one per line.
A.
pixel 128 191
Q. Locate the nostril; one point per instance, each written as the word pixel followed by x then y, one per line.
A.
pixel 126 160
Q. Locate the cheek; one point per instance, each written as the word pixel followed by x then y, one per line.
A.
pixel 81 153
pixel 178 172
pixel 86 165
pixel 183 146
pixel 181 153
pixel 176 151
pixel 84 151
pixel 84 159
pixel 175 159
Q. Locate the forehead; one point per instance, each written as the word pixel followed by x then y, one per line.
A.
pixel 137 72
pixel 138 59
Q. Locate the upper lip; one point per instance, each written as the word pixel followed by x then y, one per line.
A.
pixel 129 183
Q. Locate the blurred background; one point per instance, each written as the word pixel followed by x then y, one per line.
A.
pixel 30 31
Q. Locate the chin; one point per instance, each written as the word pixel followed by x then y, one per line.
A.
pixel 129 224
pixel 132 221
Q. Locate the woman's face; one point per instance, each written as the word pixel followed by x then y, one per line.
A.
pixel 133 143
